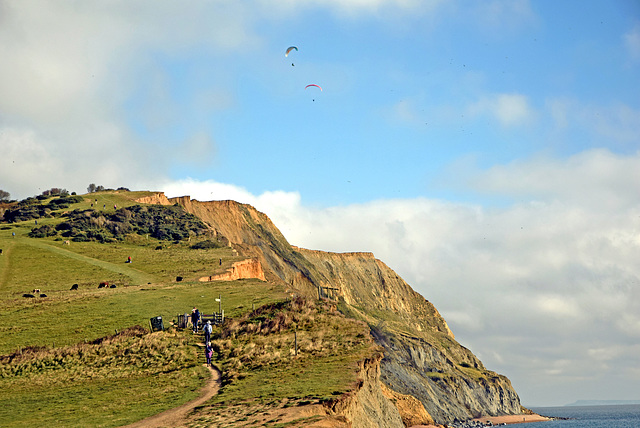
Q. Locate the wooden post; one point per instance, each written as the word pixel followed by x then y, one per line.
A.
pixel 295 337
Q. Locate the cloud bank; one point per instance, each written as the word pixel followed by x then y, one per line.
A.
pixel 559 262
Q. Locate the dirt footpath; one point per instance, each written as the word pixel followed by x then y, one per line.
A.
pixel 177 416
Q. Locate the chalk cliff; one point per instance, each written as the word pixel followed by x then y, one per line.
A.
pixel 421 359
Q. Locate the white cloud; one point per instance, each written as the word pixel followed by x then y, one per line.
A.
pixel 560 271
pixel 557 306
pixel 632 42
pixel 618 124
pixel 508 109
pixel 502 17
pixel 356 7
pixel 69 71
pixel 593 178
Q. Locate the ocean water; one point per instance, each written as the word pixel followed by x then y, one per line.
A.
pixel 621 416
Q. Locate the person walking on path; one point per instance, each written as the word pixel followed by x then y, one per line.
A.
pixel 195 318
pixel 208 352
pixel 207 332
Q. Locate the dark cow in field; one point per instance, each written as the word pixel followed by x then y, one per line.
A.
pixel 103 284
pixel 178 278
pixel 74 287
pixel 28 295
pixel 43 295
pixel 112 286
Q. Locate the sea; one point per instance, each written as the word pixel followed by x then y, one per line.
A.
pixel 610 416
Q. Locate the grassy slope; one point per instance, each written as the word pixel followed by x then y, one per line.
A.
pixel 73 393
pixel 114 382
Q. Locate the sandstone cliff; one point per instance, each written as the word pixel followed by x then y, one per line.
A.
pixel 157 198
pixel 250 268
pixel 421 356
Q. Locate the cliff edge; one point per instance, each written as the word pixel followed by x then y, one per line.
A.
pixel 421 359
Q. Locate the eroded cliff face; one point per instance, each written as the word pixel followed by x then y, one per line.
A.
pixel 367 406
pixel 421 357
pixel 245 269
pixel 450 381
pixel 157 198
pixel 252 234
pixel 364 281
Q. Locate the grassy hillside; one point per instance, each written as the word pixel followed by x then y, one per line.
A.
pixel 76 357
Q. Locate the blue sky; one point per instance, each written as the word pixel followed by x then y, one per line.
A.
pixel 489 152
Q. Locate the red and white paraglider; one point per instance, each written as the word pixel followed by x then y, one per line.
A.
pixel 311 86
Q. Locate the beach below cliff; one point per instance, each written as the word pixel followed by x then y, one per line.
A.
pixel 495 420
pixel 511 419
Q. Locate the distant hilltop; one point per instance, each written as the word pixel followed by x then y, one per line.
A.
pixel 602 403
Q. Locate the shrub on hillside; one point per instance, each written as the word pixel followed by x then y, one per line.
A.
pixel 33 208
pixel 170 223
pixel 43 231
pixel 207 244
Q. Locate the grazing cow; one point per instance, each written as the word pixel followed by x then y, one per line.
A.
pixel 0 251
pixel 112 286
pixel 28 295
pixel 159 247
pixel 36 291
pixel 178 278
pixel 67 242
pixel 74 287
pixel 43 295
pixel 103 284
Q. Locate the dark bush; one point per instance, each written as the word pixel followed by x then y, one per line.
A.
pixel 42 231
pixel 202 245
pixel 32 209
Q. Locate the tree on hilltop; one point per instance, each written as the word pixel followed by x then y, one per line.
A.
pixel 93 188
pixel 4 195
pixel 56 191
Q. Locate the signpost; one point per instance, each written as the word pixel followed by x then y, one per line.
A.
pixel 156 323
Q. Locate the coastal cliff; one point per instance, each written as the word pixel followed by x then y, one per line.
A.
pixel 421 358
pixel 245 269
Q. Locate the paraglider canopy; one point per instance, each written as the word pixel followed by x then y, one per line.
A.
pixel 313 85
pixel 290 49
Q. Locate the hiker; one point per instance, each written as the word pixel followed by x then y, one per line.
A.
pixel 195 317
pixel 207 331
pixel 129 259
pixel 208 352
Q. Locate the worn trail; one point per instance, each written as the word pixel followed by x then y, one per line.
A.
pixel 175 417
pixel 136 276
